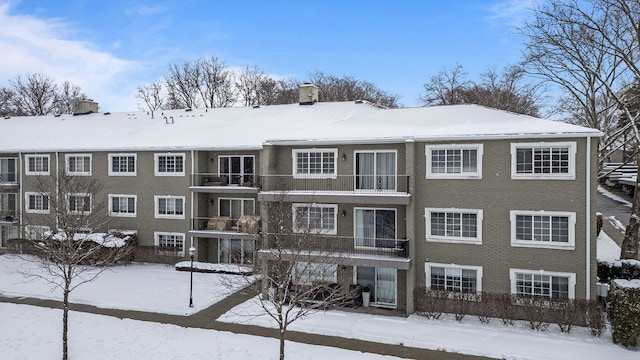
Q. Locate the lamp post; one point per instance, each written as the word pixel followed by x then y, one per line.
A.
pixel 192 252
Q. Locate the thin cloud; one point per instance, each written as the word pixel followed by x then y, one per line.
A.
pixel 31 45
pixel 145 10
pixel 511 12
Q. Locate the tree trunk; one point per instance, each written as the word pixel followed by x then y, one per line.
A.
pixel 629 248
pixel 65 323
pixel 282 332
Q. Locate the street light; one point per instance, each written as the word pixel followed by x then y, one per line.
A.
pixel 192 252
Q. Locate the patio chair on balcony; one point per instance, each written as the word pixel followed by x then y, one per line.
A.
pixel 215 181
pixel 249 224
pixel 219 223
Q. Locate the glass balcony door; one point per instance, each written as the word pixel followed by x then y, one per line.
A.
pixel 376 170
pixel 375 227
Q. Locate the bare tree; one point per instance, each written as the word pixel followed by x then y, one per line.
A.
pixel 216 83
pixel 67 97
pixel 505 91
pixel 298 268
pixel 35 94
pixel 182 83
pixel 73 254
pixel 151 97
pixel 249 84
pixel 347 88
pixel 606 36
pixel 6 102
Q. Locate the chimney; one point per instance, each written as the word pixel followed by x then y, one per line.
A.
pixel 308 94
pixel 85 106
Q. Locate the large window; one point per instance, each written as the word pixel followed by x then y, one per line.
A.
pixel 543 160
pixel 235 208
pixel 36 232
pixel 37 165
pixel 238 169
pixel 543 229
pixel 170 242
pixel 37 202
pixel 375 170
pixel 454 277
pixel 169 207
pixel 8 205
pixel 78 164
pixel 315 162
pixel 315 218
pixel 375 228
pixel 122 164
pixel 79 203
pixel 454 225
pixel 122 205
pixel 8 170
pixel 235 251
pixel 307 273
pixel 169 164
pixel 454 161
pixel 543 284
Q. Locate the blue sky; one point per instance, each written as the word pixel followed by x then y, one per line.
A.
pixel 109 47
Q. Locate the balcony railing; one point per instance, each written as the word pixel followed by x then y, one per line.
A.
pixel 8 178
pixel 211 179
pixel 335 245
pixel 370 184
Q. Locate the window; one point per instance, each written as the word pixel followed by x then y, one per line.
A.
pixel 79 203
pixel 8 202
pixel 543 160
pixel 454 161
pixel 315 162
pixel 543 284
pixel 315 218
pixel 235 208
pixel 307 273
pixel 454 225
pixel 238 169
pixel 375 228
pixel 235 251
pixel 122 205
pixel 8 170
pixel 78 164
pixel 454 277
pixel 169 164
pixel 375 170
pixel 169 207
pixel 37 202
pixel 122 164
pixel 169 242
pixel 543 229
pixel 37 165
pixel 37 232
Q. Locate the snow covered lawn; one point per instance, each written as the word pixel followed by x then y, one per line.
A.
pixel 29 332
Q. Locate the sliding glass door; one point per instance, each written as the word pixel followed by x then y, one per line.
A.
pixel 375 170
pixel 381 281
pixel 375 227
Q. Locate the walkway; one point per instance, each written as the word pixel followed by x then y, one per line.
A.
pixel 206 319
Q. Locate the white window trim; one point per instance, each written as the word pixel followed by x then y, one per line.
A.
pixel 571 276
pixel 475 175
pixel 127 173
pixel 119 214
pixel 452 239
pixel 355 211
pixel 36 211
pixel 41 228
pixel 67 196
pixel 429 265
pixel 157 164
pixel 15 167
pixel 78 173
pixel 156 202
pixel 242 173
pixel 294 156
pixel 26 164
pixel 156 240
pixel 571 175
pixel 544 244
pixel 333 231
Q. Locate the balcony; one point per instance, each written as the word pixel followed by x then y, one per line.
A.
pixel 214 183
pixel 392 253
pixel 8 217
pixel 356 189
pixel 9 180
pixel 221 227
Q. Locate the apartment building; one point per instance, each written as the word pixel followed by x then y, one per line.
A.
pixel 463 198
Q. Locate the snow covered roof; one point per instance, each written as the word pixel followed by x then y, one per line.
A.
pixel 250 128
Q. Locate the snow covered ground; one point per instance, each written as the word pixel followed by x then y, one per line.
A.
pixel 30 332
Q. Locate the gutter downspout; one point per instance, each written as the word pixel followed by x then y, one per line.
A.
pixel 57 190
pixel 191 193
pixel 588 219
pixel 20 198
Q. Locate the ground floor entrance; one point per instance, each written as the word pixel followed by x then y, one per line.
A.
pixel 383 283
pixel 7 232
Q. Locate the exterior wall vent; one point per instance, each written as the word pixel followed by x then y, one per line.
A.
pixel 308 94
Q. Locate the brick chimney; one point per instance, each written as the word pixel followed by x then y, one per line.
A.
pixel 308 94
pixel 85 106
